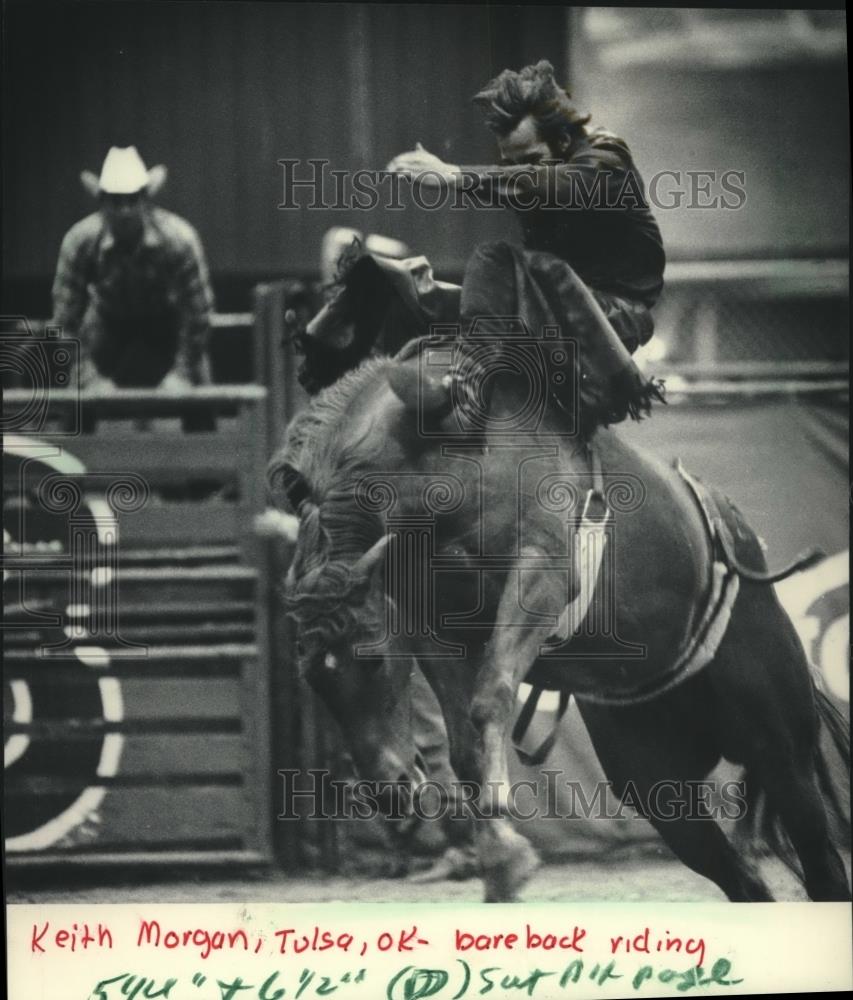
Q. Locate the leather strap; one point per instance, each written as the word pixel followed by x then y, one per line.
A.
pixel 525 716
pixel 597 475
pixel 522 723
pixel 723 541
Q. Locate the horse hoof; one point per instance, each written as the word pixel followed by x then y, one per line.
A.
pixel 503 881
pixel 455 865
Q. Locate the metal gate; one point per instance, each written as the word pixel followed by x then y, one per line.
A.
pixel 136 657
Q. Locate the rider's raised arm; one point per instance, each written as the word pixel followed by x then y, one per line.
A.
pixel 594 178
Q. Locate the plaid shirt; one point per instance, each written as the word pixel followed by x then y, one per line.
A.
pixel 164 273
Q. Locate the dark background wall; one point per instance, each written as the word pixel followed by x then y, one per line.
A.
pixel 220 91
pixel 763 92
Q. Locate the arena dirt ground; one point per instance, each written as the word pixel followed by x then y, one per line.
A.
pixel 623 880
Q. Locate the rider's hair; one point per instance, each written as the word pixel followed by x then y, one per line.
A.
pixel 512 96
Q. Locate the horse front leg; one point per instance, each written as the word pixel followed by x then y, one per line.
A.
pixel 506 857
pixel 452 685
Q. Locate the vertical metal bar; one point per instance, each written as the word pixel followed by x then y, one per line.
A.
pixel 255 676
pixel 706 332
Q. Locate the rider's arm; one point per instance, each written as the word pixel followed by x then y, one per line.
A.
pixel 594 178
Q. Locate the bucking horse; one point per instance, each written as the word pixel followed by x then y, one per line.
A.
pixel 472 532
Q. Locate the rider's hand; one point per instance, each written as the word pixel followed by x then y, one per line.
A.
pixel 90 380
pixel 174 382
pixel 97 385
pixel 419 161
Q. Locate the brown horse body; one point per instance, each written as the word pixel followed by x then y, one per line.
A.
pixel 421 537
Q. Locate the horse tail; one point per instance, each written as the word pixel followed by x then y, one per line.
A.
pixel 763 831
pixel 836 727
pixel 763 822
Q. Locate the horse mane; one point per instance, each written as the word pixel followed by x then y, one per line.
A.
pixel 314 444
pixel 334 528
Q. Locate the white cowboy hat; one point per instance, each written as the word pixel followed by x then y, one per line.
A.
pixel 124 172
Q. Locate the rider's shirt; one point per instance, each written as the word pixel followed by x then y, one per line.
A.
pixel 590 211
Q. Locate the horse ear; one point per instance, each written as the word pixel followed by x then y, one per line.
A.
pixel 420 392
pixel 374 555
pixel 91 183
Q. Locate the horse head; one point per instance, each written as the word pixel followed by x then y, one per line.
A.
pixel 341 576
pixel 341 612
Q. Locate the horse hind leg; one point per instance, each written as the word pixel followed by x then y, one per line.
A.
pixel 824 874
pixel 795 796
pixel 656 746
pixel 701 844
pixel 796 801
pixel 762 669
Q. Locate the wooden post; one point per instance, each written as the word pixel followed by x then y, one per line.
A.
pixel 257 678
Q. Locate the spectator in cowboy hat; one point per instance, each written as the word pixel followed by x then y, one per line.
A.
pixel 132 284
